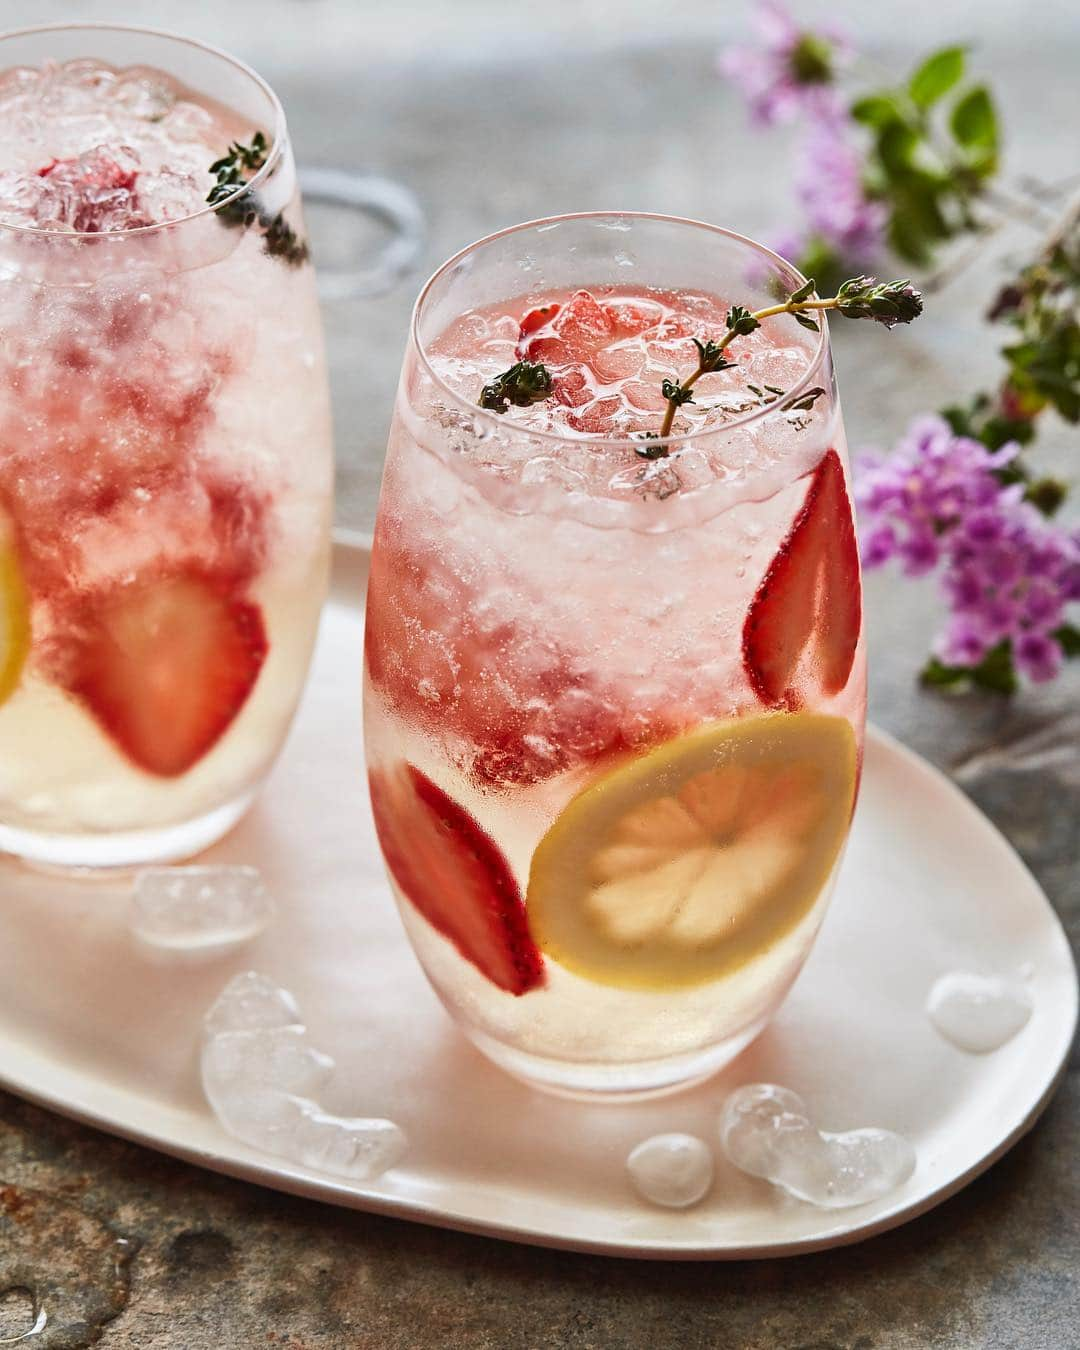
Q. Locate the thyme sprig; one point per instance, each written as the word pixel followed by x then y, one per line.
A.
pixel 888 303
pixel 244 209
pixel 862 297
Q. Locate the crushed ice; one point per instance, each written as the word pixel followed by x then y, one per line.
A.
pixel 765 1131
pixel 259 1071
pixel 204 910
pixel 674 1170
pixel 978 1013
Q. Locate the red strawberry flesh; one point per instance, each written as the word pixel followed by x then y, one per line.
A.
pixel 573 335
pixel 802 628
pixel 455 875
pixel 164 665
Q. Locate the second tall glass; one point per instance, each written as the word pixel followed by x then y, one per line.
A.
pixel 615 682
pixel 165 454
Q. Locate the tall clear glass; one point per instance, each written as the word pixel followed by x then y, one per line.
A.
pixel 615 685
pixel 165 450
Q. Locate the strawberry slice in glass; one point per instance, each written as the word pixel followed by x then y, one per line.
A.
pixel 455 875
pixel 802 628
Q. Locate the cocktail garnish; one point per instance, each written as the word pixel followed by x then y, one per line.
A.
pixel 862 297
pixel 524 383
pixel 888 303
pixel 244 209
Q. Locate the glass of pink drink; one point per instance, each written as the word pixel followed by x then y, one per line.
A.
pixel 165 453
pixel 615 686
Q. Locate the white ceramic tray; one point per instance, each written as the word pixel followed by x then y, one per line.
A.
pixel 96 1030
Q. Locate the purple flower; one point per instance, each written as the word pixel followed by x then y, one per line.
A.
pixel 829 184
pixel 964 642
pixel 930 481
pixel 1038 656
pixel 1007 573
pixel 790 72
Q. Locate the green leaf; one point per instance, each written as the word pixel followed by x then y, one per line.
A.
pixel 974 125
pixel 1069 637
pixel 995 672
pixel 647 450
pixel 1046 495
pixel 936 76
pixel 938 675
pixel 804 292
pixel 806 321
pixel 907 238
pixel 896 147
pixel 875 110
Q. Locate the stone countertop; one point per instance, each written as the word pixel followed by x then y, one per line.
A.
pixel 493 118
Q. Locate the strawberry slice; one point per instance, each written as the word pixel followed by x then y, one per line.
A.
pixel 573 335
pixel 455 875
pixel 164 664
pixel 533 321
pixel 809 602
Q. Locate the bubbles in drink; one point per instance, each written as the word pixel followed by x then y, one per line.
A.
pixel 978 1013
pixel 673 1170
pixel 199 910
pixel 765 1130
pixel 259 1070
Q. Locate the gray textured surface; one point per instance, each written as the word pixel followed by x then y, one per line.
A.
pixel 494 114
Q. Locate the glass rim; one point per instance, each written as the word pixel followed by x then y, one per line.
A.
pixel 598 439
pixel 277 144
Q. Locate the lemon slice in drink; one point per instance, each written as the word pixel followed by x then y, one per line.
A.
pixel 14 619
pixel 681 866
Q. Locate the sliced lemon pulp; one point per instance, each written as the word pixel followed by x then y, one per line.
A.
pixel 14 619
pixel 683 865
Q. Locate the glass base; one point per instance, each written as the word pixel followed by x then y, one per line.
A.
pixel 639 1080
pixel 123 848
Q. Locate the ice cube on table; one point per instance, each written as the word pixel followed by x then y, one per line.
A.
pixel 251 1001
pixel 978 1013
pixel 348 1147
pixel 204 910
pixel 765 1130
pixel 675 1170
pixel 271 1057
pixel 258 1068
pixel 249 1076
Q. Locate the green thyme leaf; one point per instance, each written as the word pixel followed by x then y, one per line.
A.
pixel 805 401
pixel 244 209
pixel 741 321
pixel 651 447
pixel 806 321
pixel 524 383
pixel 674 392
pixel 803 293
pixel 711 356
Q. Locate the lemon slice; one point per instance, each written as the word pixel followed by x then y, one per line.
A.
pixel 681 866
pixel 14 619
